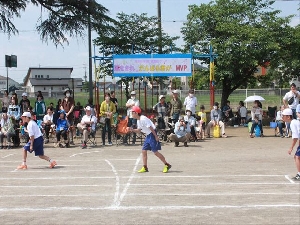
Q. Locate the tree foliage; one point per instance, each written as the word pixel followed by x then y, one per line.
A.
pixel 244 33
pixel 64 18
pixel 132 34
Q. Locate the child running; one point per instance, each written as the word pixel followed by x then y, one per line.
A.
pixel 151 142
pixel 35 143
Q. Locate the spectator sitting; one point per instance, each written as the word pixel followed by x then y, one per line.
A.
pixel 256 114
pixel 48 123
pixel 182 132
pixel 7 130
pixel 191 121
pixel 14 110
pixel 215 120
pixel 227 112
pixel 62 127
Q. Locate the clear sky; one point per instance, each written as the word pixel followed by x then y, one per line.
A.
pixel 32 52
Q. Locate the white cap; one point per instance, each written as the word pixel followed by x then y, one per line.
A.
pixel 287 112
pixel 175 91
pixel 26 114
pixel 24 94
pixel 88 108
pixel 132 93
pixel 161 96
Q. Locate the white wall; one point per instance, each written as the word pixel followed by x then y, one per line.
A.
pixel 52 73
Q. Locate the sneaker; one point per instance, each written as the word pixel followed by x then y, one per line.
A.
pixel 143 170
pixel 46 141
pixel 9 147
pixel 297 177
pixel 22 167
pixel 72 143
pixel 61 145
pixel 176 144
pixel 56 145
pixel 52 164
pixel 287 136
pixel 282 136
pixel 185 144
pixel 84 146
pixel 251 135
pixel 167 168
pixel 109 143
pixel 224 136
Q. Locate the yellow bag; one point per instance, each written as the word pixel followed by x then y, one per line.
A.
pixel 216 131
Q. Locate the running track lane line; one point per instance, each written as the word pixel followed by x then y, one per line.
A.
pixel 117 192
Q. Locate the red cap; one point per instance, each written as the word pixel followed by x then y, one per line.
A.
pixel 136 109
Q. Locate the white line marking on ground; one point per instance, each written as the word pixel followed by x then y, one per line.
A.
pixel 82 153
pixel 289 179
pixel 129 181
pixel 53 178
pixel 7 156
pixel 63 171
pixel 148 194
pixel 56 186
pixel 117 192
pixel 126 208
pixel 224 183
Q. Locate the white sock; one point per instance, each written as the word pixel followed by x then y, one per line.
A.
pixel 24 163
pixel 50 160
pixel 299 173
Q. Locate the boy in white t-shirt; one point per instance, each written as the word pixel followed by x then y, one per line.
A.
pixel 35 144
pixel 287 116
pixel 151 142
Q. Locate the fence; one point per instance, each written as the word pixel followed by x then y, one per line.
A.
pixel 273 97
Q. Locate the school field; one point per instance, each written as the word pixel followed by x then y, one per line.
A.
pixel 235 180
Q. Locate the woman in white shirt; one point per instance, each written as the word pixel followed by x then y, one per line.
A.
pixel 48 122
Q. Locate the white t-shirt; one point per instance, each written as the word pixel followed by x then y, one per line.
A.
pixel 47 118
pixel 130 101
pixel 290 95
pixel 190 103
pixel 87 118
pixel 295 128
pixel 33 129
pixel 144 124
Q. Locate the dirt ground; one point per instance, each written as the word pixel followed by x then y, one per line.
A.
pixel 234 180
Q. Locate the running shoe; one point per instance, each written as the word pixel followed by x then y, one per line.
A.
pixel 109 143
pixel 143 170
pixel 297 177
pixel 167 168
pixel 22 167
pixel 52 164
pixel 84 146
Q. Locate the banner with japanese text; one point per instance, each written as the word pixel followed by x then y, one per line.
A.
pixel 152 65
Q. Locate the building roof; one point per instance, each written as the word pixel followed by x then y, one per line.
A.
pixel 49 82
pixel 44 68
pixel 4 78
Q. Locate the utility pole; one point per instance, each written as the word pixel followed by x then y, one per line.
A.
pixel 159 27
pixel 90 53
pixel 85 77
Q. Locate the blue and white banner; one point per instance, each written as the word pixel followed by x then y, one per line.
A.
pixel 152 65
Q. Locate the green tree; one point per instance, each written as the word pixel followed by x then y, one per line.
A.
pixel 132 34
pixel 64 17
pixel 244 33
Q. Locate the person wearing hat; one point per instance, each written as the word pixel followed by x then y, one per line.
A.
pixel 161 108
pixel 287 116
pixel 176 105
pixel 191 121
pixel 35 144
pixel 291 99
pixel 182 132
pixel 151 143
pixel 24 103
pixel 131 121
pixel 40 107
pixel 215 120
pixel 68 105
pixel 191 102
pixel 87 125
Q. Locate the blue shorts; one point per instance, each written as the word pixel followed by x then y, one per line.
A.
pixel 297 153
pixel 151 144
pixel 38 146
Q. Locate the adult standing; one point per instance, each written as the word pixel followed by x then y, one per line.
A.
pixel 161 108
pixel 132 122
pixel 107 109
pixel 287 116
pixel 35 144
pixel 24 103
pixel 68 105
pixel 5 102
pixel 40 107
pixel 291 99
pixel 176 105
pixel 191 102
pixel 114 99
pixel 14 110
pixel 151 142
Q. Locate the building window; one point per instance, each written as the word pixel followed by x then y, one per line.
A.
pixel 51 88
pixel 42 76
pixel 47 76
pixel 44 88
pixel 35 76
